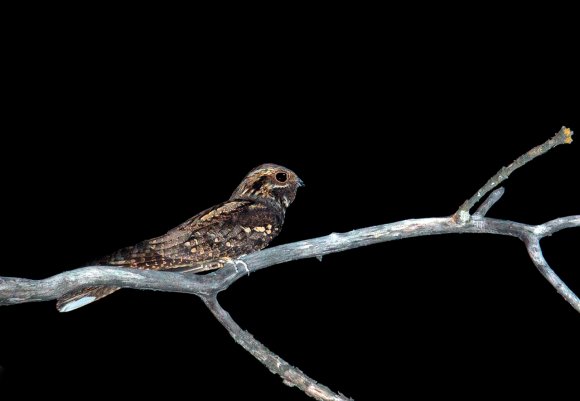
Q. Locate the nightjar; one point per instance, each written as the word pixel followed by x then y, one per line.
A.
pixel 247 222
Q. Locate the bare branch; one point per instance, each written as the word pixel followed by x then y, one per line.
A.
pixel 564 136
pixel 19 290
pixel 289 374
pixel 489 202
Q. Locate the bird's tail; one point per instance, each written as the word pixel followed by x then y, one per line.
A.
pixel 76 299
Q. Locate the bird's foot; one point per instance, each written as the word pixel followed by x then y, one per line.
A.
pixel 241 262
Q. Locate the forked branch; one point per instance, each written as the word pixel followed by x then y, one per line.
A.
pixel 20 290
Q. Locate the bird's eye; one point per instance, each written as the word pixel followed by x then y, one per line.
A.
pixel 281 177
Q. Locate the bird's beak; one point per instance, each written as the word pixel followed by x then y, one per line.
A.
pixel 301 183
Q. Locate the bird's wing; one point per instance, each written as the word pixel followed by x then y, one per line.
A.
pixel 193 241
pixel 191 247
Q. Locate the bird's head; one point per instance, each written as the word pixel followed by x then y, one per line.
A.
pixel 269 182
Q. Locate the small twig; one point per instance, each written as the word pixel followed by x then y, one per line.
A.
pixel 290 375
pixel 564 136
pixel 489 202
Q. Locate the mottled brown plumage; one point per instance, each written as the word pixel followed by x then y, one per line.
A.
pixel 247 222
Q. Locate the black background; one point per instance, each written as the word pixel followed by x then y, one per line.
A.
pixel 117 135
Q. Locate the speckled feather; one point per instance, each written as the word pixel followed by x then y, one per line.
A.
pixel 246 223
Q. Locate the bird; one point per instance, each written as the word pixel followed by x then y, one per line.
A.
pixel 247 222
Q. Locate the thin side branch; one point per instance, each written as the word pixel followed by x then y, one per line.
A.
pixel 290 375
pixel 535 252
pixel 564 136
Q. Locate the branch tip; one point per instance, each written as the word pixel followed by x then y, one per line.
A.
pixel 567 135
